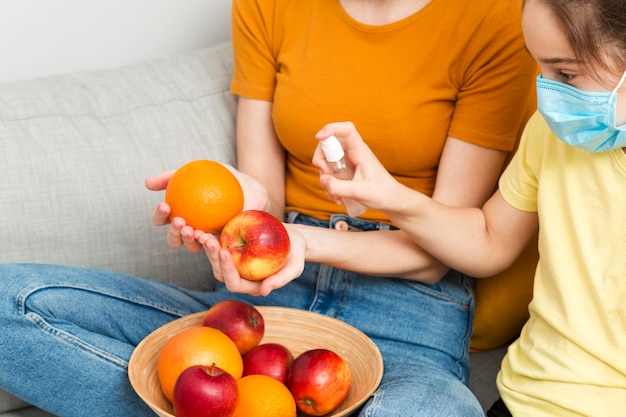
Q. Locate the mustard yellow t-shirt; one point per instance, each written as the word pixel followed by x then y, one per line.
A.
pixel 455 68
pixel 570 359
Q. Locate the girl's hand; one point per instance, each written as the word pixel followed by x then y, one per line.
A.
pixel 179 233
pixel 225 271
pixel 372 185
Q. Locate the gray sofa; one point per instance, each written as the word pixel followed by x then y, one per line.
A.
pixel 75 150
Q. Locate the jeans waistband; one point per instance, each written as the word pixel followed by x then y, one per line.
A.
pixel 338 222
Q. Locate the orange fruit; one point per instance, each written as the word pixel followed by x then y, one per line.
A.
pixel 264 396
pixel 204 193
pixel 196 346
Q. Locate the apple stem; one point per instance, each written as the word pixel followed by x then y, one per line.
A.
pixel 239 244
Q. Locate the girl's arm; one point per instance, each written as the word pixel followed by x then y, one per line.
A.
pixel 479 242
pixel 466 178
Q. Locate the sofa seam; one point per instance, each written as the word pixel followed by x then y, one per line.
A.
pixel 94 115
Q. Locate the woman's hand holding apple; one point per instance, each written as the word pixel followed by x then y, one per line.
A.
pixel 224 268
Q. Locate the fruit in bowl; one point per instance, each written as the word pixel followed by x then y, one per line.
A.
pixel 271 359
pixel 205 391
pixel 263 396
pixel 319 379
pixel 242 322
pixel 297 330
pixel 198 345
pixel 258 242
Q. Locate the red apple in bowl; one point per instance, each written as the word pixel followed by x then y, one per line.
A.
pixel 258 242
pixel 205 391
pixel 319 380
pixel 241 322
pixel 271 359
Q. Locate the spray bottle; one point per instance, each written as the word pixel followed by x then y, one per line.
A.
pixel 342 169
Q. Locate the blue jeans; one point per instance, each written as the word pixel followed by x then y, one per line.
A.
pixel 67 333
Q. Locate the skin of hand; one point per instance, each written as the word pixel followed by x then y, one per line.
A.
pixel 225 271
pixel 372 185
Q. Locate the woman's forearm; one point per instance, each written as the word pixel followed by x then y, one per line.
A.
pixel 259 153
pixel 382 253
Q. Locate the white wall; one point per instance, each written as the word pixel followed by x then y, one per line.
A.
pixel 43 37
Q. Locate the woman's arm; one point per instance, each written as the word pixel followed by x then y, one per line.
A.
pixel 467 174
pixel 259 153
pixel 382 253
pixel 466 177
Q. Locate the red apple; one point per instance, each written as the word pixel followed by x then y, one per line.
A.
pixel 271 359
pixel 319 380
pixel 205 391
pixel 241 321
pixel 258 242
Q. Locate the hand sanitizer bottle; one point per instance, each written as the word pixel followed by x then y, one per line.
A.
pixel 343 169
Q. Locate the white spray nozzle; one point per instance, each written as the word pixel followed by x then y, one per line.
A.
pixel 332 149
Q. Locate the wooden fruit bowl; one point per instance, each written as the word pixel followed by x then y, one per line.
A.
pixel 298 330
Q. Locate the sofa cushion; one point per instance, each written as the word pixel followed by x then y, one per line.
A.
pixel 76 149
pixel 8 402
pixel 502 302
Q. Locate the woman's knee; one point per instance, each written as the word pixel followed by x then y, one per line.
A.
pixel 421 391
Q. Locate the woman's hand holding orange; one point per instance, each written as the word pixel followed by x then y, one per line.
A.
pixel 179 233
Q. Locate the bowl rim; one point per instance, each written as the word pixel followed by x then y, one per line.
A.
pixel 173 327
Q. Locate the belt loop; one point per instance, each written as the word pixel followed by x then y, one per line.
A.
pixel 292 216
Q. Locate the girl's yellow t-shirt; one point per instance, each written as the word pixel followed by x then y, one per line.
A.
pixel 570 359
pixel 455 68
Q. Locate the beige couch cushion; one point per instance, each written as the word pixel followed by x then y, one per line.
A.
pixel 76 149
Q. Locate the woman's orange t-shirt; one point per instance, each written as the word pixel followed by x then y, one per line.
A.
pixel 455 68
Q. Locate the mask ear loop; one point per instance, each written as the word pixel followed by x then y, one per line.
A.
pixel 616 89
pixel 613 101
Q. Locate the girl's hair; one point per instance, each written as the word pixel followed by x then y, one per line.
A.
pixel 596 30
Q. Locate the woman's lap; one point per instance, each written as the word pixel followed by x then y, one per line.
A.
pixel 68 334
pixel 423 334
pixel 79 326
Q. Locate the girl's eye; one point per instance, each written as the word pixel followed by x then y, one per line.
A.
pixel 565 77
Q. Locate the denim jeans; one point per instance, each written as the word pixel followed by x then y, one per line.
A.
pixel 67 333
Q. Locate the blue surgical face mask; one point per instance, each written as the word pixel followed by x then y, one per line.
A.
pixel 580 118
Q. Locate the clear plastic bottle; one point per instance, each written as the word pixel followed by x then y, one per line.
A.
pixel 343 169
